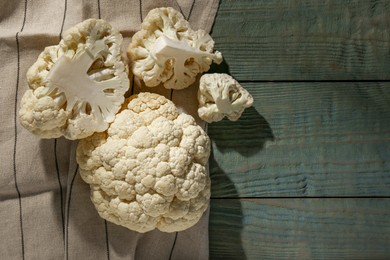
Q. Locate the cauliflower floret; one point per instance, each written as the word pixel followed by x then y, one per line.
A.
pixel 77 86
pixel 220 95
pixel 36 109
pixel 149 169
pixel 168 51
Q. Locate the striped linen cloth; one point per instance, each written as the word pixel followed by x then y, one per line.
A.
pixel 45 209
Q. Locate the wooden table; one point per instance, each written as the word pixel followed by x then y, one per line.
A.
pixel 305 173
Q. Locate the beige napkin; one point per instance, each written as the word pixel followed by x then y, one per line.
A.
pixel 45 209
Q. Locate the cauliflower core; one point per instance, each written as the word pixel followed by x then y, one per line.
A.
pixel 149 169
pixel 168 51
pixel 78 86
pixel 220 95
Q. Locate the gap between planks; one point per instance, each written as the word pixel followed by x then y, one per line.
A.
pixel 313 81
pixel 298 197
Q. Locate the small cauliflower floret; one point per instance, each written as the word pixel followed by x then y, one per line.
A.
pixel 168 51
pixel 220 95
pixel 77 86
pixel 150 175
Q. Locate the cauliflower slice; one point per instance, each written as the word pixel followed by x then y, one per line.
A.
pixel 168 51
pixel 77 86
pixel 148 171
pixel 220 95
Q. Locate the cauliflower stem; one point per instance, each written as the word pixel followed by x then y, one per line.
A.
pixel 166 49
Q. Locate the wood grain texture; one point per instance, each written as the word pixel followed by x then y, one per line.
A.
pixel 300 229
pixel 305 139
pixel 311 139
pixel 304 39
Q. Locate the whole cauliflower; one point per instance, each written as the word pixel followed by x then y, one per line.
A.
pixel 220 95
pixel 77 86
pixel 168 51
pixel 149 169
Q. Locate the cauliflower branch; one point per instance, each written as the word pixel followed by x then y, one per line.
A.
pixel 168 51
pixel 220 95
pixel 149 169
pixel 81 82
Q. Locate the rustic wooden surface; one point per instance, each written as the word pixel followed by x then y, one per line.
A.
pixel 304 39
pixel 306 139
pixel 305 173
pixel 300 229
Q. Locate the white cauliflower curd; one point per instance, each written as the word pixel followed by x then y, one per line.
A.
pixel 168 51
pixel 77 86
pixel 220 95
pixel 148 170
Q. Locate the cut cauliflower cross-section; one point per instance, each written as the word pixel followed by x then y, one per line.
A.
pixel 148 170
pixel 78 86
pixel 168 51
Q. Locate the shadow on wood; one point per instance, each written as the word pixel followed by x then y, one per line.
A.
pixel 219 68
pixel 246 135
pixel 225 234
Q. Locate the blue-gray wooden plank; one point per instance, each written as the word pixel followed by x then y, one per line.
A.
pixel 304 39
pixel 300 229
pixel 305 139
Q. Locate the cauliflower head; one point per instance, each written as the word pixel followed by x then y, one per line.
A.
pixel 77 86
pixel 220 95
pixel 168 51
pixel 148 170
